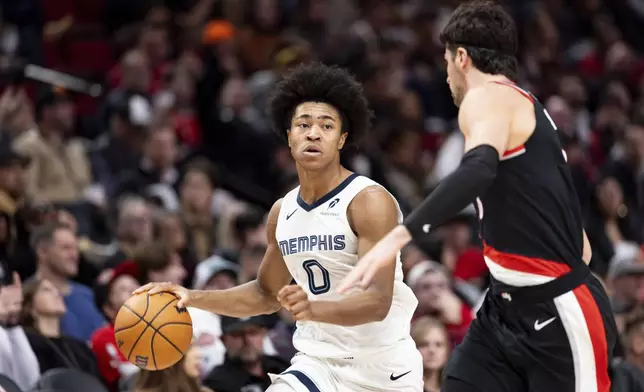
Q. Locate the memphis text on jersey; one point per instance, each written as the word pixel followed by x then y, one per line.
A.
pixel 312 243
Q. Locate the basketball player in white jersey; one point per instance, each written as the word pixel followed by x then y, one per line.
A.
pixel 357 341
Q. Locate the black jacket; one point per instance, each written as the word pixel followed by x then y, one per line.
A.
pixel 232 377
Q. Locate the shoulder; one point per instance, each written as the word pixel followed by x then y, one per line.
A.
pixel 36 340
pixel 77 143
pixel 274 213
pixel 373 208
pixel 81 290
pixel 28 141
pixel 491 98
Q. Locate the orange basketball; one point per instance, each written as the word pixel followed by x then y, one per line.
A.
pixel 152 332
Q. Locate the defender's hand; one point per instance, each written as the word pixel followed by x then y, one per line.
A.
pixel 166 287
pixel 376 258
pixel 294 299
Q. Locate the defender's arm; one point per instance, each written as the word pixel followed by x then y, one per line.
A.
pixel 373 213
pixel 485 123
pixel 257 296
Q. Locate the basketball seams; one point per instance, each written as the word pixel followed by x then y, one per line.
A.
pixel 141 318
pixel 154 357
pixel 148 326
pixel 158 331
pixel 135 323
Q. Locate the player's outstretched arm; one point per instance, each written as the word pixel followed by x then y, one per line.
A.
pixel 485 122
pixel 255 297
pixel 372 213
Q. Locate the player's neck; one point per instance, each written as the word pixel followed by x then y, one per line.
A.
pixel 475 79
pixel 316 184
pixel 48 326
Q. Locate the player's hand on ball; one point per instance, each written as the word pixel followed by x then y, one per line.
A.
pixel 166 287
pixel 295 300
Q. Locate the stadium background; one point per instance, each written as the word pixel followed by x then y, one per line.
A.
pixel 167 176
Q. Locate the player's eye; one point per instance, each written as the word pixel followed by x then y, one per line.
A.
pixel 303 125
pixel 328 126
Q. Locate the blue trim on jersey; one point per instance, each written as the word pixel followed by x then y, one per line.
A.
pixel 308 207
pixel 304 379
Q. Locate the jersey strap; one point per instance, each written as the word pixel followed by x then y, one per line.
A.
pixel 514 152
pixel 514 86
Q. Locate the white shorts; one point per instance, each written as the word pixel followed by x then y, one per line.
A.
pixel 399 369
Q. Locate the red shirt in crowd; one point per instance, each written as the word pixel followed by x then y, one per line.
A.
pixel 470 265
pixel 108 356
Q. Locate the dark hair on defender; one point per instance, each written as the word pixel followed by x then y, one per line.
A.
pixel 489 35
pixel 316 82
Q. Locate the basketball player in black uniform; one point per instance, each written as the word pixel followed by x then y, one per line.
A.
pixel 546 324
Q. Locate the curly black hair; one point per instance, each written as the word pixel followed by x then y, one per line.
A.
pixel 316 82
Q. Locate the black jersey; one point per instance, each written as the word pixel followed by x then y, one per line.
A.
pixel 530 218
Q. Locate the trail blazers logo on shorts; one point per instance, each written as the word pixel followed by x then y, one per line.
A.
pixel 141 361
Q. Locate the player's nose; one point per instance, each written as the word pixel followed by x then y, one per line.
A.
pixel 314 133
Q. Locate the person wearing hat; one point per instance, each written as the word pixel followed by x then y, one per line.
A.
pixel 625 277
pixel 246 367
pixel 215 273
pixel 60 169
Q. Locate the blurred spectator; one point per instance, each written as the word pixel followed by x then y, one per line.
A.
pixel 17 359
pixel 59 170
pixel 12 193
pixel 182 377
pixel 109 298
pixel 249 260
pixel 458 252
pixel 196 193
pixel 265 19
pixel 629 374
pixel 156 169
pixel 57 262
pixel 134 226
pixel 170 230
pixel 610 224
pixel 120 148
pixel 158 262
pixel 281 336
pixel 245 364
pixel 431 283
pixel 432 340
pixel 43 311
pixel 625 278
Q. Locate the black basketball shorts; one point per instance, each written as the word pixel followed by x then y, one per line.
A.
pixel 563 344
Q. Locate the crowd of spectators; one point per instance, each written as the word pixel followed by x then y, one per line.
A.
pixel 168 175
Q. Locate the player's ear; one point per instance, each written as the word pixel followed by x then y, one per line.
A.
pixel 460 57
pixel 343 140
pixel 288 137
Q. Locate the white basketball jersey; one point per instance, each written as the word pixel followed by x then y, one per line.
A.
pixel 320 249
